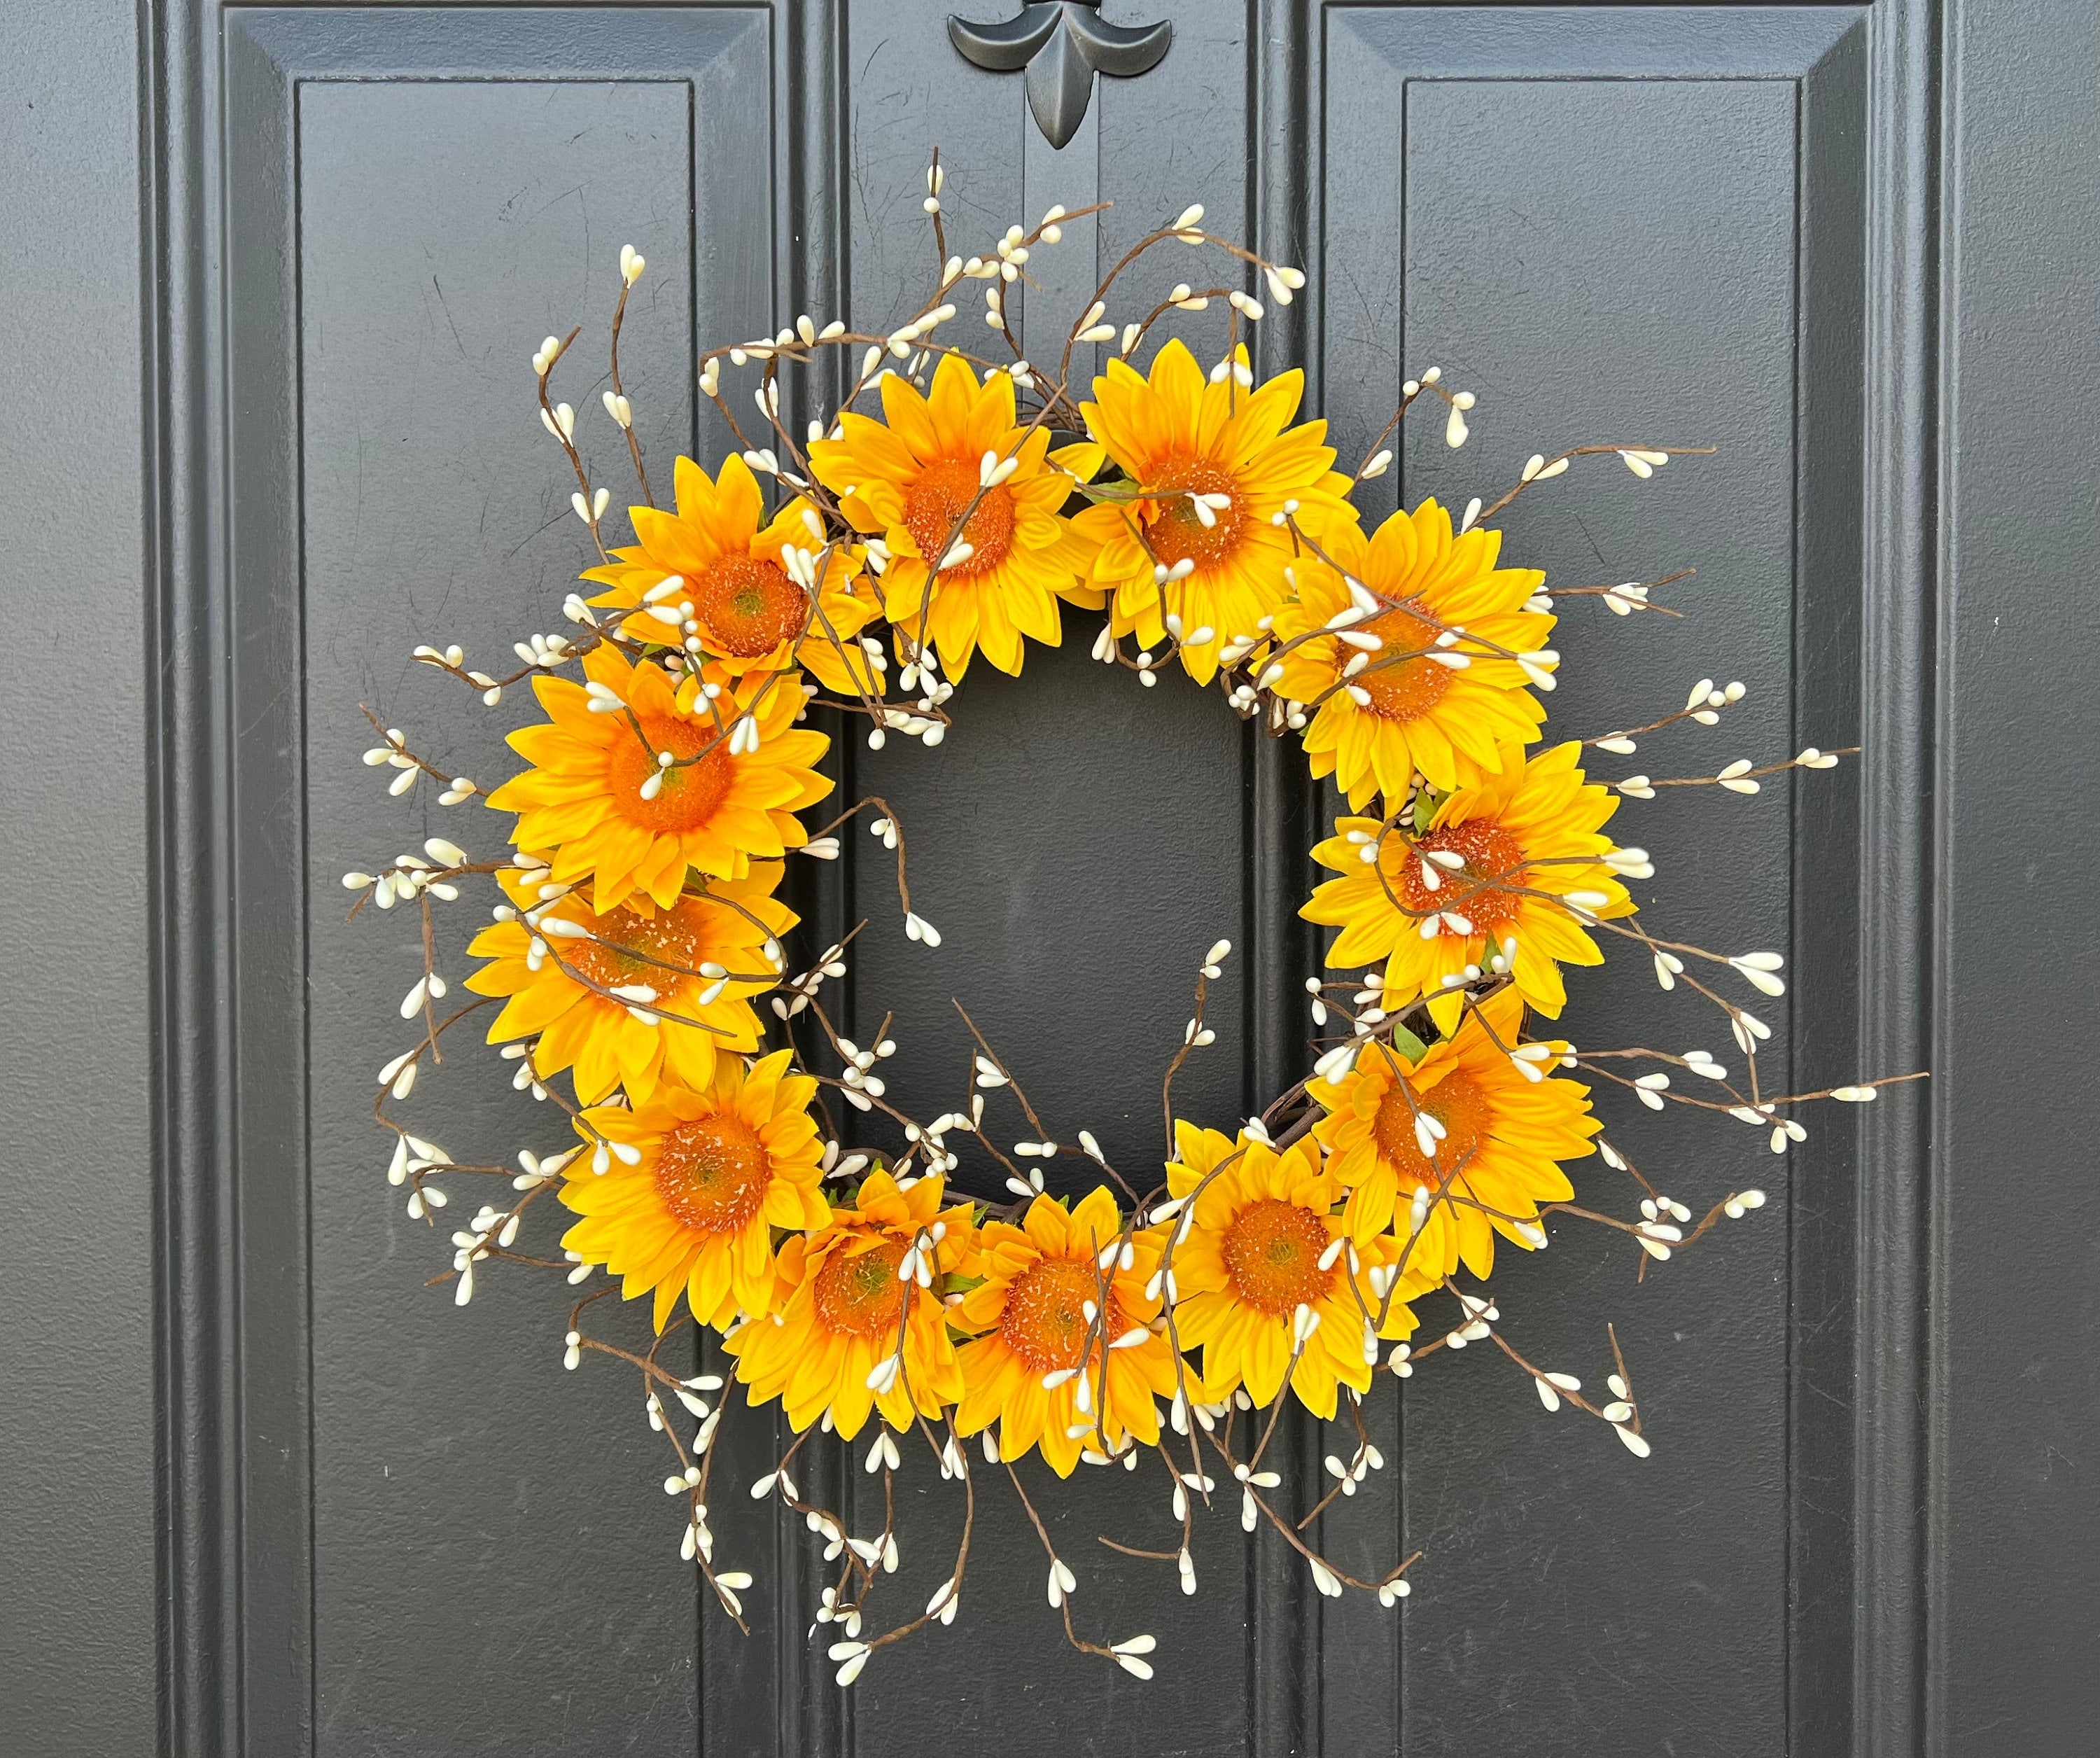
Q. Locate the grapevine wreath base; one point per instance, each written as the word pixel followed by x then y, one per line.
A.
pixel 737 1161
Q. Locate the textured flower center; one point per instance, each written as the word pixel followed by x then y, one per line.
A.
pixel 1403 689
pixel 1272 1251
pixel 1459 1103
pixel 1490 853
pixel 1175 530
pixel 713 1172
pixel 861 1295
pixel 748 605
pixel 662 951
pixel 691 792
pixel 1045 1320
pixel 937 499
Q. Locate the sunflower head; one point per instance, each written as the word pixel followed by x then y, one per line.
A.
pixel 1209 464
pixel 712 1171
pixel 1425 697
pixel 637 995
pixel 637 779
pixel 1268 1272
pixel 713 578
pixel 919 480
pixel 860 1321
pixel 1486 881
pixel 1048 1312
pixel 1476 1122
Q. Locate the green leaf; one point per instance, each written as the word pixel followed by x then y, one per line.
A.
pixel 1408 1044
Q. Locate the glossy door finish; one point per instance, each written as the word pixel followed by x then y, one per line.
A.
pixel 285 263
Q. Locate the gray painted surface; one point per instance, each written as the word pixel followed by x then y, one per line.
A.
pixel 77 1256
pixel 2014 1302
pixel 1852 246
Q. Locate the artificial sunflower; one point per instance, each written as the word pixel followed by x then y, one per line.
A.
pixel 728 591
pixel 1212 465
pixel 1265 1243
pixel 907 479
pixel 1403 708
pixel 841 1304
pixel 1536 827
pixel 1504 1132
pixel 1036 1307
pixel 718 1167
pixel 585 998
pixel 581 804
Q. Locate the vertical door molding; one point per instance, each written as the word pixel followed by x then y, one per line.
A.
pixel 1896 1404
pixel 197 1407
pixel 1289 1619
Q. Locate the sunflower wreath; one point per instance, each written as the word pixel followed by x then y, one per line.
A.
pixel 929 521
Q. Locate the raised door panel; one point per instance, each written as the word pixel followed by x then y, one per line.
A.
pixel 454 1464
pixel 450 1543
pixel 1630 226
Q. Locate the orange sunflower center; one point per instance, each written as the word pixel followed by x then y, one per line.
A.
pixel 937 499
pixel 1045 1320
pixel 1177 531
pixel 1407 689
pixel 691 792
pixel 1490 853
pixel 1459 1103
pixel 1272 1252
pixel 748 605
pixel 713 1172
pixel 660 950
pixel 861 1295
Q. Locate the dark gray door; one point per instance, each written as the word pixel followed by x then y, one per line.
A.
pixel 270 275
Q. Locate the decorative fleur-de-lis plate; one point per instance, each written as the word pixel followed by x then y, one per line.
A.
pixel 1063 44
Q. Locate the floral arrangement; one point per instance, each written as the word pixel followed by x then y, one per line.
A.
pixel 734 1159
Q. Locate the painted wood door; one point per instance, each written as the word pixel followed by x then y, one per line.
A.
pixel 278 268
